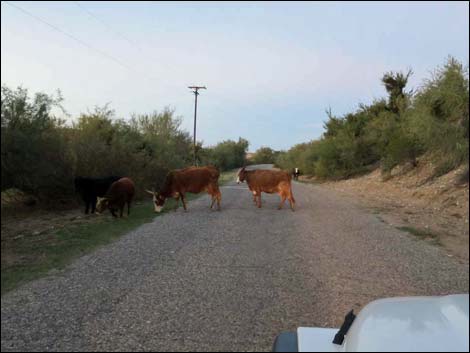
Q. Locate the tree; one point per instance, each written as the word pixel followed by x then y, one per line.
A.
pixel 265 155
pixel 395 83
pixel 35 153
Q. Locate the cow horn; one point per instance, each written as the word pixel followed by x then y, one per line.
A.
pixel 150 192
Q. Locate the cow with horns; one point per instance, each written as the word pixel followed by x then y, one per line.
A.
pixel 191 179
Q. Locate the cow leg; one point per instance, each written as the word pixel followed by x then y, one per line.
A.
pixel 291 200
pixel 121 209
pixel 113 212
pixel 93 205
pixel 283 199
pixel 219 198
pixel 87 207
pixel 214 198
pixel 254 197
pixel 128 208
pixel 184 203
pixel 177 198
pixel 259 199
pixel 210 191
pixel 292 204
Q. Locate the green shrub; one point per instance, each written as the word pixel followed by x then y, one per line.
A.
pixel 265 155
pixel 433 120
pixel 35 153
pixel 41 154
pixel 401 148
pixel 225 155
pixel 440 116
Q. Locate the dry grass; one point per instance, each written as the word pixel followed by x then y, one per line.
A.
pixel 418 202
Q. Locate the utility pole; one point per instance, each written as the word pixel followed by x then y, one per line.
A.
pixel 196 93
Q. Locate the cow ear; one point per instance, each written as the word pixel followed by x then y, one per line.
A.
pixel 150 192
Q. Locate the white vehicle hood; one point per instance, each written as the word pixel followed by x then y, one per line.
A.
pixel 413 324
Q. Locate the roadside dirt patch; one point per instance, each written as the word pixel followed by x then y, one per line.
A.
pixel 411 199
pixel 34 224
pixel 26 222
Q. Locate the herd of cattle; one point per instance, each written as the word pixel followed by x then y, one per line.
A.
pixel 115 192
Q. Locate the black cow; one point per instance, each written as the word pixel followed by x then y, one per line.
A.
pixel 296 173
pixel 90 188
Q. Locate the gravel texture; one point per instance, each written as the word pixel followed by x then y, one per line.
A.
pixel 232 280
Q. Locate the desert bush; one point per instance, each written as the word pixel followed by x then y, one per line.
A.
pixel 225 155
pixel 34 145
pixel 265 155
pixel 440 116
pixel 396 130
pixel 145 148
pixel 41 154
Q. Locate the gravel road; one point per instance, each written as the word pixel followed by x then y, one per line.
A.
pixel 226 281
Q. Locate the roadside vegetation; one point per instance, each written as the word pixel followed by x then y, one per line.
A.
pixel 29 253
pixel 422 234
pixel 43 149
pixel 226 155
pixel 32 254
pixel 265 155
pixel 432 120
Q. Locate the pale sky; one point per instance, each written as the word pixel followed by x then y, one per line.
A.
pixel 271 69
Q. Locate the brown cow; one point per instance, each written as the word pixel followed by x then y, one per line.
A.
pixel 269 181
pixel 119 193
pixel 191 179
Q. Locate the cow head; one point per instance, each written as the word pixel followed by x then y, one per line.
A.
pixel 101 205
pixel 241 176
pixel 158 200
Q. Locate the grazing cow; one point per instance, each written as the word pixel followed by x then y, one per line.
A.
pixel 269 181
pixel 119 193
pixel 296 173
pixel 91 188
pixel 191 179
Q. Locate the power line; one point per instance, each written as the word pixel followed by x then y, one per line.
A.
pixel 122 36
pixel 119 34
pixel 90 47
pixel 102 53
pixel 170 68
